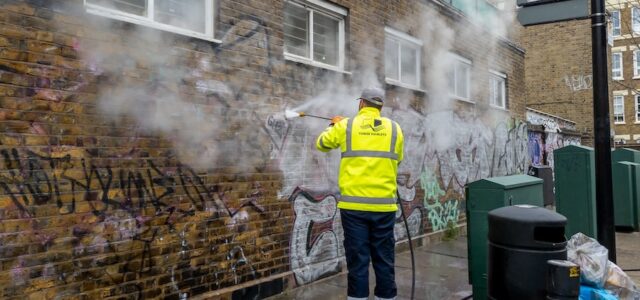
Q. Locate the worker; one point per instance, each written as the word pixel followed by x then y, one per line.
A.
pixel 371 148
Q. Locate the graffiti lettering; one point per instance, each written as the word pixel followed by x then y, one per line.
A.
pixel 578 82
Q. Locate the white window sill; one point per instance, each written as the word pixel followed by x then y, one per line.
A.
pixel 636 122
pixel 462 99
pixel 617 78
pixel 619 123
pixel 498 107
pixel 636 77
pixel 125 17
pixel 403 85
pixel 306 61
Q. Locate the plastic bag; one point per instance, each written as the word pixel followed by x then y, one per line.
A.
pixel 621 284
pixel 591 293
pixel 592 258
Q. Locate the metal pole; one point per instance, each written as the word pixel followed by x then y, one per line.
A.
pixel 602 127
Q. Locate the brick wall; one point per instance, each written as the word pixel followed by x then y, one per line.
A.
pixel 560 79
pixel 137 163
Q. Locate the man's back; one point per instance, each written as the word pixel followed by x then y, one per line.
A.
pixel 371 148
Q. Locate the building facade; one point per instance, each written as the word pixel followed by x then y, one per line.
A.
pixel 559 78
pixel 625 72
pixel 146 150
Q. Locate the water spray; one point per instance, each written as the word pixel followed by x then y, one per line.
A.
pixel 290 114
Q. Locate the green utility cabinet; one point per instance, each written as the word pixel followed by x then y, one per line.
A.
pixel 626 189
pixel 483 196
pixel 625 154
pixel 575 182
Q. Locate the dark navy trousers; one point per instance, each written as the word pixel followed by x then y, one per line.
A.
pixel 368 236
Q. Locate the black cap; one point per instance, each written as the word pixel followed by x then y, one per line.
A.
pixel 374 95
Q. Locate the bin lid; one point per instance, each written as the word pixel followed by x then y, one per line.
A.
pixel 628 163
pixel 572 149
pixel 625 154
pixel 502 182
pixel 527 226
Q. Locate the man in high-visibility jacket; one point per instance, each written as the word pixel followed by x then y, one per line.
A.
pixel 371 149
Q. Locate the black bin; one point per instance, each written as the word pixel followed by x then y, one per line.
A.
pixel 522 239
pixel 546 174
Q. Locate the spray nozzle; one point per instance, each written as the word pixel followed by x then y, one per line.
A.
pixel 290 114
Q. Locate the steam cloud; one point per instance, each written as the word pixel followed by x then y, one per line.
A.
pixel 158 89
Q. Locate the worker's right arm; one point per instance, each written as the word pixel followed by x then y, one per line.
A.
pixel 332 137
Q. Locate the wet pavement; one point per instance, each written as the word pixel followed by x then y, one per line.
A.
pixel 441 272
pixel 628 253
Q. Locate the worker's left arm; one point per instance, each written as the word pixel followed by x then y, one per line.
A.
pixel 332 137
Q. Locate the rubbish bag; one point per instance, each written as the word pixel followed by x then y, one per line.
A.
pixel 620 284
pixel 591 293
pixel 592 258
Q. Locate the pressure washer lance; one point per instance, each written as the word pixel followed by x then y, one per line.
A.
pixel 289 114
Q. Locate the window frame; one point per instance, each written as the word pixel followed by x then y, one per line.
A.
pixel 495 74
pixel 329 10
pixel 403 39
pixel 613 55
pixel 613 27
pixel 636 64
pixel 210 19
pixel 635 28
pixel 637 106
pixel 461 60
pixel 616 97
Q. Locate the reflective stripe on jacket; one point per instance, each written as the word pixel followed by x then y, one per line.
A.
pixel 371 150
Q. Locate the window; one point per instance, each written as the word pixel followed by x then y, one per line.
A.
pixel 636 63
pixel 637 97
pixel 615 23
pixel 314 33
pixel 402 58
pixel 616 66
pixel 635 19
pixel 459 78
pixel 192 18
pixel 498 89
pixel 618 109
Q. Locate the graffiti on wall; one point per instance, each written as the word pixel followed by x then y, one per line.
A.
pixel 549 122
pixel 473 151
pixel 440 214
pixel 555 141
pixel 133 212
pixel 316 241
pixel 120 217
pixel 542 144
pixel 476 151
pixel 578 82
pixel 133 215
pixel 536 148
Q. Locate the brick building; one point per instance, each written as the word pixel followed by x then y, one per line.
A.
pixel 625 113
pixel 145 150
pixel 559 76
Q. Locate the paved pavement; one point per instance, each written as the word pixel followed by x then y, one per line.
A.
pixel 628 252
pixel 441 272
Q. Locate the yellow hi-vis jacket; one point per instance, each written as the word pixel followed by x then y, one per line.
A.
pixel 371 151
